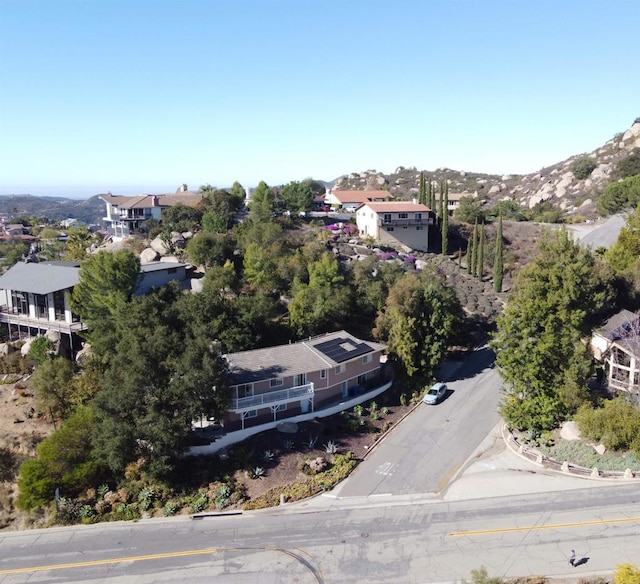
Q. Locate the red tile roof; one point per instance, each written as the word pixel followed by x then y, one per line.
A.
pixel 359 196
pixel 397 207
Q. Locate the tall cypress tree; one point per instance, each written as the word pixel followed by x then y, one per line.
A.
pixel 471 251
pixel 480 265
pixel 422 191
pixel 441 199
pixel 498 265
pixel 445 220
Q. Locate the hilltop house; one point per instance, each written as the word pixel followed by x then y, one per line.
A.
pixel 35 297
pixel 286 380
pixel 127 214
pixel 617 345
pixel 351 200
pixel 396 223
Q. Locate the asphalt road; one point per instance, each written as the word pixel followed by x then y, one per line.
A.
pixel 432 542
pixel 359 534
pixel 432 444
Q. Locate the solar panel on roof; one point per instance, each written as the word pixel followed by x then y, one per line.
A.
pixel 341 349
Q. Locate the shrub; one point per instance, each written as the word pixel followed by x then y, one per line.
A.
pixel 480 576
pixel 331 447
pixel 630 166
pixel 256 473
pixel 199 502
pixel 616 425
pixel 626 574
pixel 583 167
pixel 170 508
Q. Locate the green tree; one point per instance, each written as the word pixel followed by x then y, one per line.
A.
pixel 445 220
pixel 582 167
pixel 480 263
pixel 469 210
pixel 619 196
pixel 181 218
pixel 538 342
pixel 238 194
pixel 441 200
pixel 165 372
pixel 422 190
pixel 40 349
pixel 51 382
pixel 498 263
pixel 65 461
pixel 629 166
pixel 209 249
pixel 473 254
pixel 261 206
pixel 107 282
pixel 321 304
pixel 296 197
pixel 623 255
pixel 78 241
pixel 420 319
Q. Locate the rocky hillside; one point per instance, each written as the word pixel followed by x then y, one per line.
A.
pixel 573 184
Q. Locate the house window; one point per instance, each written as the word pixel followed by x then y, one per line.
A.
pixel 340 369
pixel 42 305
pixel 250 414
pixel 58 303
pixel 367 358
pixel 419 227
pixel 300 379
pixel 361 380
pixel 405 227
pixel 245 390
pixel 281 407
pixel 276 382
pixel 403 215
pixel 387 217
pixel 323 374
pixel 19 302
pixel 345 389
pixel 389 228
pixel 418 216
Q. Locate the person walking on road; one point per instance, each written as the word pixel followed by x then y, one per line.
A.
pixel 572 558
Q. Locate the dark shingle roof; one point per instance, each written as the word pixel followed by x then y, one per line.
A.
pixel 620 325
pixel 294 358
pixel 40 278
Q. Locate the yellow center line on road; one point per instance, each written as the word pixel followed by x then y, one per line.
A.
pixel 540 527
pixel 111 561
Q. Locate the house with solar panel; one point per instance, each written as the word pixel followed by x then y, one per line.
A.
pixel 284 381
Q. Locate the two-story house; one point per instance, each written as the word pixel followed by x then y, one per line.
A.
pixel 617 345
pixel 125 215
pixel 286 380
pixel 396 223
pixel 350 200
pixel 35 296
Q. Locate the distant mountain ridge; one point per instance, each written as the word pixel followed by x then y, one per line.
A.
pixel 557 183
pixel 56 208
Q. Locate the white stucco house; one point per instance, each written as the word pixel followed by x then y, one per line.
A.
pixel 396 223
pixel 350 200
pixel 124 215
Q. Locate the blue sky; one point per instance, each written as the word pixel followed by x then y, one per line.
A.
pixel 139 96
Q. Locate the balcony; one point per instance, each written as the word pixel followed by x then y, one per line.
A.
pixel 271 398
pixel 13 317
pixel 395 222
